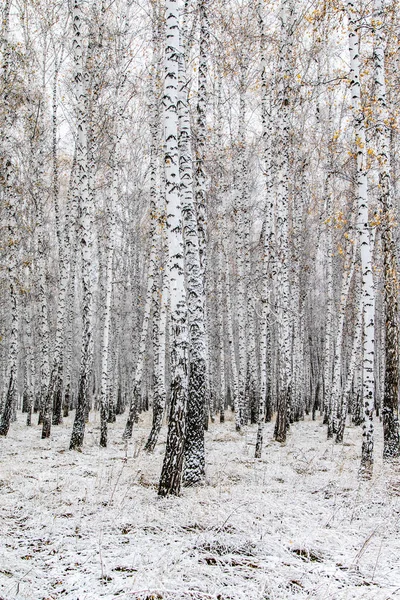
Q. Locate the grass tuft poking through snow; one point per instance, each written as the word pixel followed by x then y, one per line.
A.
pixel 296 524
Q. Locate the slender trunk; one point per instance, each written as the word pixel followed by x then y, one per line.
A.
pixel 329 320
pixel 29 376
pixel 265 325
pixel 160 393
pixel 350 375
pixel 231 342
pixel 140 364
pixel 55 390
pixel 107 320
pixel 241 238
pixel 221 338
pixel 160 282
pixel 337 363
pixel 12 361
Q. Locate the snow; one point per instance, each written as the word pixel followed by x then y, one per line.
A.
pixel 297 524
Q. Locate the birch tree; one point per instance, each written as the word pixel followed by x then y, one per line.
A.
pixel 194 467
pixel 171 474
pixel 283 126
pixel 85 227
pixel 391 287
pixel 8 179
pixel 368 292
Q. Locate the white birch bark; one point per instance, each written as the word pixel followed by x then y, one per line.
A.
pixel 241 222
pixel 355 352
pixel 368 292
pixel 105 347
pixel 221 338
pixel 72 243
pixel 194 467
pixel 297 294
pixel 55 390
pixel 329 306
pixel 160 292
pixel 170 480
pixel 201 131
pixel 140 363
pixel 264 332
pixel 53 394
pixel 268 211
pixel 85 228
pixel 390 409
pixel 160 393
pixel 268 260
pixel 231 341
pixel 337 363
pixel 12 241
pixel 282 214
pixel 29 355
pixel 43 310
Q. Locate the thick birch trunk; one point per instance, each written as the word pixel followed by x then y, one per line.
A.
pixel 85 231
pixel 266 120
pixel 368 292
pixel 171 474
pixel 283 290
pixel 390 407
pixel 194 467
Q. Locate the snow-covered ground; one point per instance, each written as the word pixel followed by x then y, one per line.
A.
pixel 297 524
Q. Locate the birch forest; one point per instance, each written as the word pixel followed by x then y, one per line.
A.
pixel 199 320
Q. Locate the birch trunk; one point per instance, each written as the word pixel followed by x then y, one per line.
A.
pixel 231 342
pixel 140 364
pixel 194 467
pixel 201 131
pixel 160 291
pixel 160 393
pixel 29 360
pixel 221 339
pixel 368 292
pixel 329 320
pixel 85 230
pixel 107 307
pixel 8 181
pixel 351 372
pixel 69 334
pixel 269 211
pixel 171 474
pixel 55 390
pixel 390 408
pixel 241 222
pixel 337 363
pixel 283 125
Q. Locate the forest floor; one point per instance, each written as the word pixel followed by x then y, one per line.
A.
pixel 297 524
